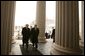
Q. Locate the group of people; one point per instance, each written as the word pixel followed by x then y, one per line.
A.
pixel 51 35
pixel 30 34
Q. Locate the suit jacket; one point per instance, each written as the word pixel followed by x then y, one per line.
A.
pixel 35 33
pixel 26 32
pixel 53 33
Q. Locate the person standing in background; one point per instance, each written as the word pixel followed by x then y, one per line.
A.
pixel 53 34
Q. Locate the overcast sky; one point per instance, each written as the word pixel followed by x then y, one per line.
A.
pixel 26 11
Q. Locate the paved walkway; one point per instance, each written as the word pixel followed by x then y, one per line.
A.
pixel 43 48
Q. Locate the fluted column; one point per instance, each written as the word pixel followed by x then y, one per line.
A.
pixel 67 29
pixel 12 16
pixel 3 33
pixel 82 24
pixel 7 10
pixel 40 19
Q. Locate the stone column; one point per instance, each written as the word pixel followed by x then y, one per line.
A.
pixel 7 8
pixel 40 19
pixel 12 17
pixel 67 29
pixel 3 33
pixel 82 24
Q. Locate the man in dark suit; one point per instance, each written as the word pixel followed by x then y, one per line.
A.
pixel 35 33
pixel 31 33
pixel 26 34
pixel 46 35
pixel 53 34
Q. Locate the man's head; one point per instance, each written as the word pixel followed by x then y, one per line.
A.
pixel 35 26
pixel 30 26
pixel 27 25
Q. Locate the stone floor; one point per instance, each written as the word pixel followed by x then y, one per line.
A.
pixel 44 48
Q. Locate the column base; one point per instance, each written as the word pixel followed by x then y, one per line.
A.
pixel 42 39
pixel 58 50
pixel 81 43
pixel 10 53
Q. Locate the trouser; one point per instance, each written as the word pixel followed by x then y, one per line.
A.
pixel 53 38
pixel 25 41
pixel 36 45
pixel 26 44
